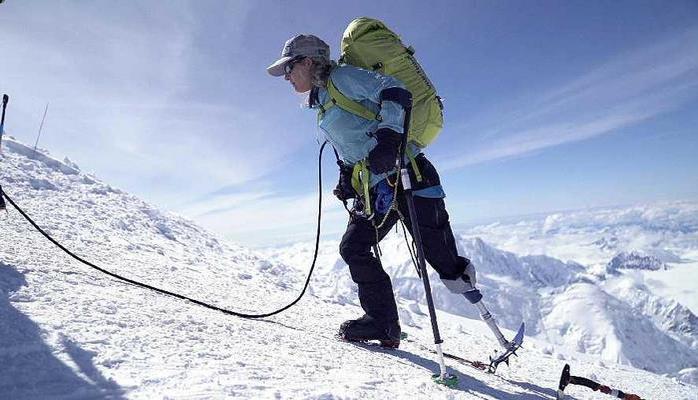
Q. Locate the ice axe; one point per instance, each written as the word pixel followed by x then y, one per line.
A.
pixel 567 379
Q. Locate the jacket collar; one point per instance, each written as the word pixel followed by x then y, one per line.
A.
pixel 314 97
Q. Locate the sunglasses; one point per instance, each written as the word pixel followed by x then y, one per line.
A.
pixel 289 65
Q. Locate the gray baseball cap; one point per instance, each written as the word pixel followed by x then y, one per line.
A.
pixel 299 46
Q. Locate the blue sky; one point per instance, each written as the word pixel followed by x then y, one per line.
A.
pixel 549 105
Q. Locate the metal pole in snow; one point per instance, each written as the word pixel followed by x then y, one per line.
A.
pixel 41 127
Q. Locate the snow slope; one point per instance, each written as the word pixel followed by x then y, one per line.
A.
pixel 70 332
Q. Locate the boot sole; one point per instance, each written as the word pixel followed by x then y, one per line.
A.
pixel 388 344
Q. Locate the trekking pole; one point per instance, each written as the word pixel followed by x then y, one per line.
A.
pixel 5 99
pixel 443 377
pixel 566 379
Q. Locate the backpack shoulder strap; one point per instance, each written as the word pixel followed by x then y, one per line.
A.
pixel 345 103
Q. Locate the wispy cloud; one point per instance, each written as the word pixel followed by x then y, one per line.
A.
pixel 624 91
pixel 266 217
pixel 122 82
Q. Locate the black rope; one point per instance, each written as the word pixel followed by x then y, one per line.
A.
pixel 2 200
pixel 179 296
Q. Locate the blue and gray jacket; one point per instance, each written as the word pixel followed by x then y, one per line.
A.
pixel 351 135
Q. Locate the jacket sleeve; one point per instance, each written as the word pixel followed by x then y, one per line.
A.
pixel 360 84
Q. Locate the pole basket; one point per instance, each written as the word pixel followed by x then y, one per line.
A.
pixel 449 380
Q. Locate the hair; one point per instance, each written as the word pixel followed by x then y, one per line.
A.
pixel 321 69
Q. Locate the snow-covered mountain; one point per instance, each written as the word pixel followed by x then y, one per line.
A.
pixel 613 316
pixel 70 332
pixel 665 232
pixel 644 256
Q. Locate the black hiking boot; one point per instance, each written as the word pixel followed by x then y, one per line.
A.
pixel 366 328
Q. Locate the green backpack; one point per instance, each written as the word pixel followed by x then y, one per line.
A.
pixel 367 43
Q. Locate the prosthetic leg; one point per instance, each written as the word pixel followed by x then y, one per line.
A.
pixel 472 294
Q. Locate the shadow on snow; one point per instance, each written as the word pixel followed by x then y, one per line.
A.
pixel 29 368
pixel 467 383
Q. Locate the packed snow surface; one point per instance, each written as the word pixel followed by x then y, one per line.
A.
pixel 70 332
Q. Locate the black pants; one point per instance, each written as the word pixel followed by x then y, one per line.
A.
pixel 375 288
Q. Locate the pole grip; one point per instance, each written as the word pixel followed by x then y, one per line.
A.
pixel 405 177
